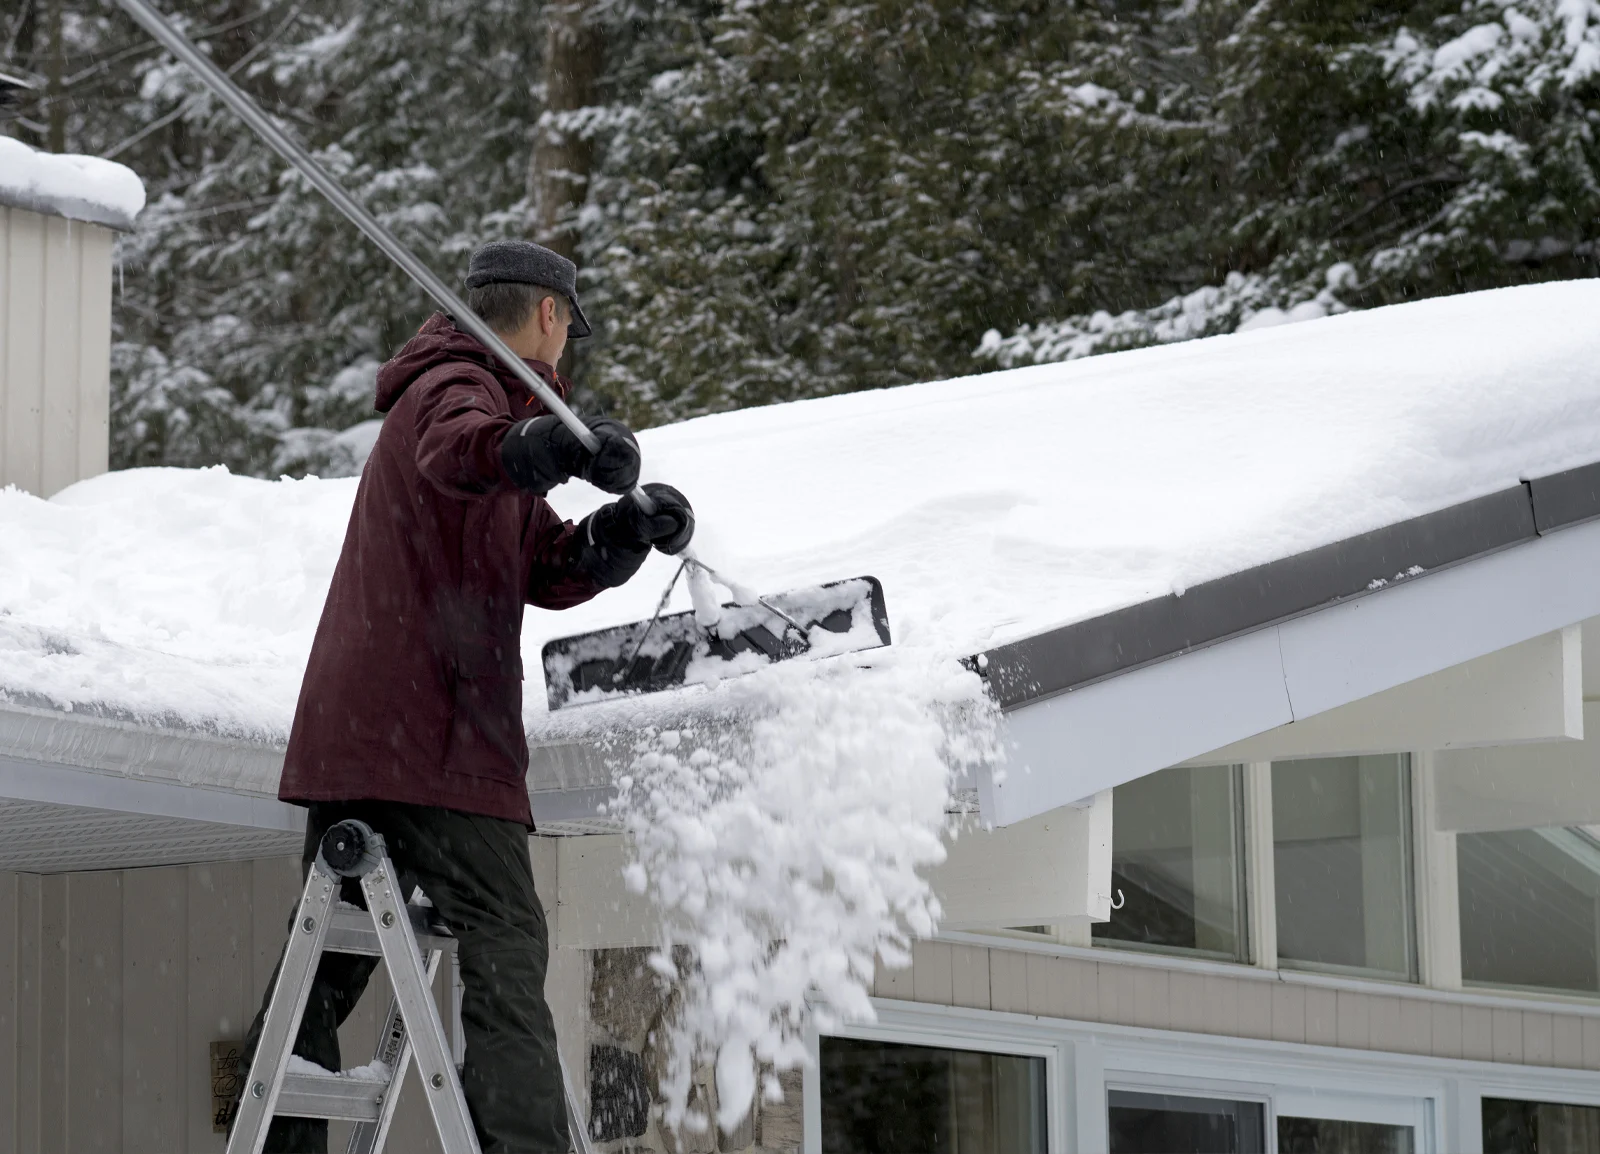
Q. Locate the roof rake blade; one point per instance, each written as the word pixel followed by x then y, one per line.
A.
pixel 674 650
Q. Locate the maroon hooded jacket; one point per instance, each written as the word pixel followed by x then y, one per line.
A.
pixel 413 692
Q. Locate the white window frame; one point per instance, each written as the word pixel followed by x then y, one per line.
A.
pixel 1285 1078
pixel 1435 899
pixel 1441 1097
pixel 1261 872
pixel 925 1026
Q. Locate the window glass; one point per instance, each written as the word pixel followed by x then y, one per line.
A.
pixel 1331 1136
pixel 880 1096
pixel 1528 908
pixel 1141 1123
pixel 1341 829
pixel 1512 1127
pixel 1177 858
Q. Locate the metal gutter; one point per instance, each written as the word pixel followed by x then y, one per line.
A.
pixel 1085 652
pixel 120 764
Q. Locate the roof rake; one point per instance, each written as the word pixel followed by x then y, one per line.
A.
pixel 647 656
pixel 715 641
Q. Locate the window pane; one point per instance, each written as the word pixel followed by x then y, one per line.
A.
pixel 1528 908
pixel 1342 857
pixel 1329 1136
pixel 1176 855
pixel 1178 1124
pixel 1511 1127
pixel 880 1096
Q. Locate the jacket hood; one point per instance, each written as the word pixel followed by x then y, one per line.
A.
pixel 439 342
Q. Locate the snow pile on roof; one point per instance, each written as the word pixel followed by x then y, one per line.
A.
pixel 187 597
pixel 78 187
pixel 991 507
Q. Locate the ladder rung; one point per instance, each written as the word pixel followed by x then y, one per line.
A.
pixel 350 931
pixel 330 1096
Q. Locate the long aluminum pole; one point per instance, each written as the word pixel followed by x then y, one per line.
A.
pixel 250 112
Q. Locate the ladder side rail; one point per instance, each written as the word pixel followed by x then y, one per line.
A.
pixel 282 1024
pixel 394 1049
pixel 412 991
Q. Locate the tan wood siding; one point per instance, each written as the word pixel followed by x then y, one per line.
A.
pixel 1255 1004
pixel 113 984
pixel 55 350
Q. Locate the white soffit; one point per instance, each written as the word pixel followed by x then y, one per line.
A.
pixel 1078 743
pixel 44 838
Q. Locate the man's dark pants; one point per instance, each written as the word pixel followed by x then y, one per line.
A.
pixel 475 870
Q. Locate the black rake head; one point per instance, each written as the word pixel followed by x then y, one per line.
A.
pixel 674 650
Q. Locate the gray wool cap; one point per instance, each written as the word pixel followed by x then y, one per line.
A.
pixel 523 262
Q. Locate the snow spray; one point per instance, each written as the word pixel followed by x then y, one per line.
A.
pixel 783 838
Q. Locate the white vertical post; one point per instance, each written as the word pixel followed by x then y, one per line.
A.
pixel 1438 897
pixel 1260 877
pixel 1386 824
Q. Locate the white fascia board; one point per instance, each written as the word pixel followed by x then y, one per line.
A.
pixel 1529 692
pixel 63 785
pixel 54 758
pixel 1078 743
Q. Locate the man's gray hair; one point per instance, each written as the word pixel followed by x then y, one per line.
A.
pixel 506 306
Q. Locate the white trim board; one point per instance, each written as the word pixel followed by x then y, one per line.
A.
pixel 1078 743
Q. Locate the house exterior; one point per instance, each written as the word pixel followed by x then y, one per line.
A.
pixel 55 329
pixel 1299 859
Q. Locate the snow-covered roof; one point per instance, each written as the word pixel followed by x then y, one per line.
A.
pixel 77 187
pixel 993 508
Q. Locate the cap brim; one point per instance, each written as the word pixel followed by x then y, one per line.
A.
pixel 578 327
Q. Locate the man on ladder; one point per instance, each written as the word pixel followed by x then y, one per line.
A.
pixel 410 715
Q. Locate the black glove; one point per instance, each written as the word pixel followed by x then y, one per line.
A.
pixel 540 453
pixel 617 537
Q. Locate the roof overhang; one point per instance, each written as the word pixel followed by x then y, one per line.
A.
pixel 1104 701
pixel 1461 621
pixel 80 791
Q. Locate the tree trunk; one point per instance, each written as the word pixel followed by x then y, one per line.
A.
pixel 22 37
pixel 574 53
pixel 57 93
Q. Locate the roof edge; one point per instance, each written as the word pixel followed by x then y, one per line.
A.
pixel 1073 656
pixel 74 208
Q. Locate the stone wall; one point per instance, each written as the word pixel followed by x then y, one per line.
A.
pixel 627 1007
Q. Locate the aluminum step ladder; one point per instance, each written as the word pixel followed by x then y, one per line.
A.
pixel 411 943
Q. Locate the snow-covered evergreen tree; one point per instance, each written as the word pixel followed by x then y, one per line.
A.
pixel 1374 156
pixel 790 199
pixel 823 197
pixel 251 316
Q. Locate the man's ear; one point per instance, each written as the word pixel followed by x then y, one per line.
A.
pixel 547 315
